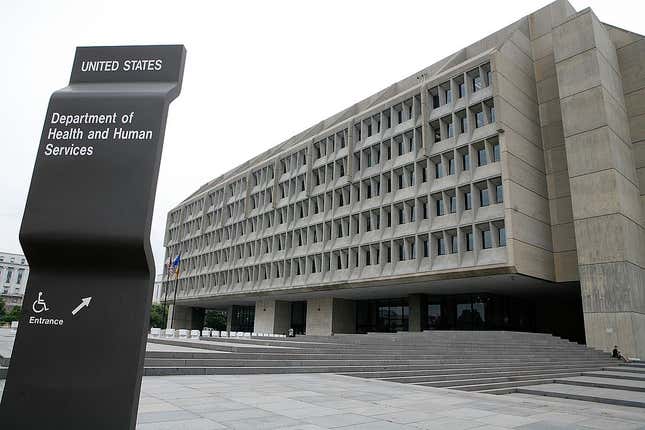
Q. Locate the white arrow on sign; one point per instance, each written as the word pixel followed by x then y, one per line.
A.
pixel 84 303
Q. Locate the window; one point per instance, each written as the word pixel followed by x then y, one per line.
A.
pixel 482 159
pixel 465 161
pixel 487 242
pixel 462 89
pixel 501 236
pixel 451 130
pixel 438 170
pixel 435 101
pixel 483 197
pixel 440 208
pixel 469 241
pixel 451 166
pixel 492 114
pixel 489 77
pixel 401 216
pixel 468 201
pixel 9 274
pixel 463 124
pixel 441 246
pixel 496 152
pixel 401 255
pixel 453 204
pixel 425 248
pixel 479 119
pixel 454 244
pixel 477 83
pixel 448 96
pixel 499 193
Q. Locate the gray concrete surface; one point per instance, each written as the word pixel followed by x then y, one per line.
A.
pixel 317 401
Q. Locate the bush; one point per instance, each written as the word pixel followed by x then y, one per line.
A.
pixel 158 316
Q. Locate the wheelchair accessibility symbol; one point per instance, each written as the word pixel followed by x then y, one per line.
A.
pixel 39 305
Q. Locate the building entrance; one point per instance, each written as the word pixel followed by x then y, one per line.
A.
pixel 298 317
pixel 389 315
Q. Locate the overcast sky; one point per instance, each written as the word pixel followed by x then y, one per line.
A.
pixel 257 72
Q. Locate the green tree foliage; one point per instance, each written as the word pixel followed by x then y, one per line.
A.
pixel 13 314
pixel 2 308
pixel 215 320
pixel 158 316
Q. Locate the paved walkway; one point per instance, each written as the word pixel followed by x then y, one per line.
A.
pixel 321 401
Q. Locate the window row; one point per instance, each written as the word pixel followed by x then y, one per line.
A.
pixel 455 200
pixel 465 239
pixel 471 81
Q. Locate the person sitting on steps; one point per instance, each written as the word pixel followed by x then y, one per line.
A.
pixel 616 354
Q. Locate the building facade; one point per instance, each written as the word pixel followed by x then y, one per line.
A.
pixel 499 188
pixel 14 272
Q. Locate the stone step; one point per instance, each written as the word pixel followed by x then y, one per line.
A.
pixel 617 384
pixel 628 368
pixel 348 355
pixel 589 394
pixel 442 370
pixel 479 383
pixel 615 375
pixel 232 361
pixel 511 385
pixel 486 374
pixel 412 346
pixel 412 342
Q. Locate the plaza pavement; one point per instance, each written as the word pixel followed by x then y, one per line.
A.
pixel 322 401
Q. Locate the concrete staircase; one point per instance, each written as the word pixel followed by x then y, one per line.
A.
pixel 622 385
pixel 486 361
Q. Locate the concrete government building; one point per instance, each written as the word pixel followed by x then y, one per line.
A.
pixel 502 187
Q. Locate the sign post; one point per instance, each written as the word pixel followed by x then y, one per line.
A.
pixel 78 355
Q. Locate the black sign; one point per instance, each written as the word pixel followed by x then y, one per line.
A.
pixel 77 360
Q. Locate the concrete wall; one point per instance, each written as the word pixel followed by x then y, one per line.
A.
pixel 272 316
pixel 606 203
pixel 556 177
pixel 185 317
pixel 344 316
pixel 328 315
pixel 418 312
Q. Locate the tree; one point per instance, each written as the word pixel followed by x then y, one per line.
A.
pixel 13 314
pixel 215 320
pixel 2 308
pixel 157 314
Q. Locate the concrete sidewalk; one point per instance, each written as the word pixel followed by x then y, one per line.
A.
pixel 321 401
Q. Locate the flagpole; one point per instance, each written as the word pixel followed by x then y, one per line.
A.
pixel 165 299
pixel 174 299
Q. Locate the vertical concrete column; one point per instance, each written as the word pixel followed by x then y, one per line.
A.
pixel 229 318
pixel 554 166
pixel 319 316
pixel 607 211
pixel 344 316
pixel 327 315
pixel 418 312
pixel 185 317
pixel 272 316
